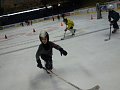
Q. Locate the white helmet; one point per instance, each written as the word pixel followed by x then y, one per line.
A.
pixel 110 7
pixel 44 34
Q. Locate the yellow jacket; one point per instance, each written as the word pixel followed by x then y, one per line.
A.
pixel 69 24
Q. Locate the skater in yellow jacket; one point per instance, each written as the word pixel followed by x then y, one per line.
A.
pixel 69 25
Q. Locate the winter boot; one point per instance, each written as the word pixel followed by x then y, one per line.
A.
pixel 114 31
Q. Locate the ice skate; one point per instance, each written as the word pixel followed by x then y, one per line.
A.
pixel 114 31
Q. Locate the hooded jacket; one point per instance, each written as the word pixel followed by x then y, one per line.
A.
pixel 113 15
pixel 46 49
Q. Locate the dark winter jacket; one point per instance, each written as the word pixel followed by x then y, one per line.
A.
pixel 113 15
pixel 46 49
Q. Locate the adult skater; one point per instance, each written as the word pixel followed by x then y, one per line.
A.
pixel 45 51
pixel 113 17
pixel 69 25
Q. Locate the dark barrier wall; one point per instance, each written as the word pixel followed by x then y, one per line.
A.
pixel 6 20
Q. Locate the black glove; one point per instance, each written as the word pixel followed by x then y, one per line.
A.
pixel 63 52
pixel 39 64
pixel 65 30
pixel 111 22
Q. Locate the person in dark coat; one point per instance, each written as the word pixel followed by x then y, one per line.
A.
pixel 45 51
pixel 113 17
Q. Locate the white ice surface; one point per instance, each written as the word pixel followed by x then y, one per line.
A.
pixel 90 60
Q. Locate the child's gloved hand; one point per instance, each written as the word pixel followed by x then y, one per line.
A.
pixel 63 52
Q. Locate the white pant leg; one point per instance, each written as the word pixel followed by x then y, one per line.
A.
pixel 72 31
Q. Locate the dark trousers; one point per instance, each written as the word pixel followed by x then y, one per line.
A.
pixel 115 25
pixel 48 61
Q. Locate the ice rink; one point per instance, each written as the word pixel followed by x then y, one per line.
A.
pixel 90 61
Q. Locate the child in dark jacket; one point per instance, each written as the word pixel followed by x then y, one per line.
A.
pixel 45 51
pixel 113 17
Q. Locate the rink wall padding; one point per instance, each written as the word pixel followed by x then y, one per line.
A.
pixel 83 11
pixel 14 19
